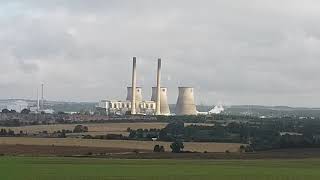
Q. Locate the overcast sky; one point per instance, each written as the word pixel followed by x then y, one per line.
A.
pixel 231 51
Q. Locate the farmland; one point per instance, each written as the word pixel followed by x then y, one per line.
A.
pixel 95 128
pixel 123 144
pixel 97 169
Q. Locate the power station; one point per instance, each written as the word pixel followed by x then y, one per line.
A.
pixel 158 105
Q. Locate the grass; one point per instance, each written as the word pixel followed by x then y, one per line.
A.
pixel 42 168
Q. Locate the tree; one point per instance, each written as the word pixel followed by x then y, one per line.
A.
pixel 173 130
pixel 3 132
pixel 242 148
pixel 80 129
pixel 177 146
pixel 11 132
pixel 25 111
pixel 158 148
pixel 162 149
pixel 5 111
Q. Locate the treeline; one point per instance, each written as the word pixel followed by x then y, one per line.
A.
pixel 44 134
pixel 260 135
pixel 7 133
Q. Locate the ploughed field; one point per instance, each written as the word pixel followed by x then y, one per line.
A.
pixel 44 168
pixel 120 144
pixel 95 128
pixel 125 153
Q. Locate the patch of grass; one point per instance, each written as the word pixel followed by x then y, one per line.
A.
pixel 40 168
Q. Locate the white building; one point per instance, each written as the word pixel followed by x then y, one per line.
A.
pixel 123 107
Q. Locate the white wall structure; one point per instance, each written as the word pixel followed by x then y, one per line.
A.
pixel 122 107
pixel 185 103
pixel 164 106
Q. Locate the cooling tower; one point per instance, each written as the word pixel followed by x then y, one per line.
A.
pixel 138 94
pixel 164 107
pixel 185 104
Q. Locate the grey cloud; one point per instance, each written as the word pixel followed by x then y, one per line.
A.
pixel 28 67
pixel 240 52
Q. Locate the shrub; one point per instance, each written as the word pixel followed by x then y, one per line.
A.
pixel 177 146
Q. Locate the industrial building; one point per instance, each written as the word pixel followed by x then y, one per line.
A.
pixel 158 105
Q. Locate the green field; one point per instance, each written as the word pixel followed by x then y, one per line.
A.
pixel 27 168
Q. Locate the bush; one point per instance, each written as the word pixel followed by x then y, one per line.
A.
pixel 158 148
pixel 162 149
pixel 5 111
pixel 80 129
pixel 25 111
pixel 177 146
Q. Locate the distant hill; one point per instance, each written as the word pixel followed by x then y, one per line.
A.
pixel 253 110
pixel 272 111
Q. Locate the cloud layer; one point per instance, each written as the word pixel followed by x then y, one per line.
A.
pixel 235 52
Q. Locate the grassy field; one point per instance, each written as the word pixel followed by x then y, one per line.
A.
pixel 26 168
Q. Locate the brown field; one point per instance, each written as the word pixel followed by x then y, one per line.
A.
pixel 122 144
pixel 94 129
pixel 36 150
pixel 120 153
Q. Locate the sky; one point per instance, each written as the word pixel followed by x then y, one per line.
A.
pixel 232 52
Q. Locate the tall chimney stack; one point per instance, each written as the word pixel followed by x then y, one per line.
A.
pixel 38 100
pixel 42 98
pixel 134 86
pixel 158 103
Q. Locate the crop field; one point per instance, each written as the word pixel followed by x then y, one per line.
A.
pixel 43 168
pixel 123 144
pixel 95 128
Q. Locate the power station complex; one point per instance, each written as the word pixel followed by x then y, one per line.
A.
pixel 157 105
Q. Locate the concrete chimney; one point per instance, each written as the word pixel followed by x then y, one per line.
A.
pixel 38 100
pixel 42 98
pixel 134 85
pixel 158 102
